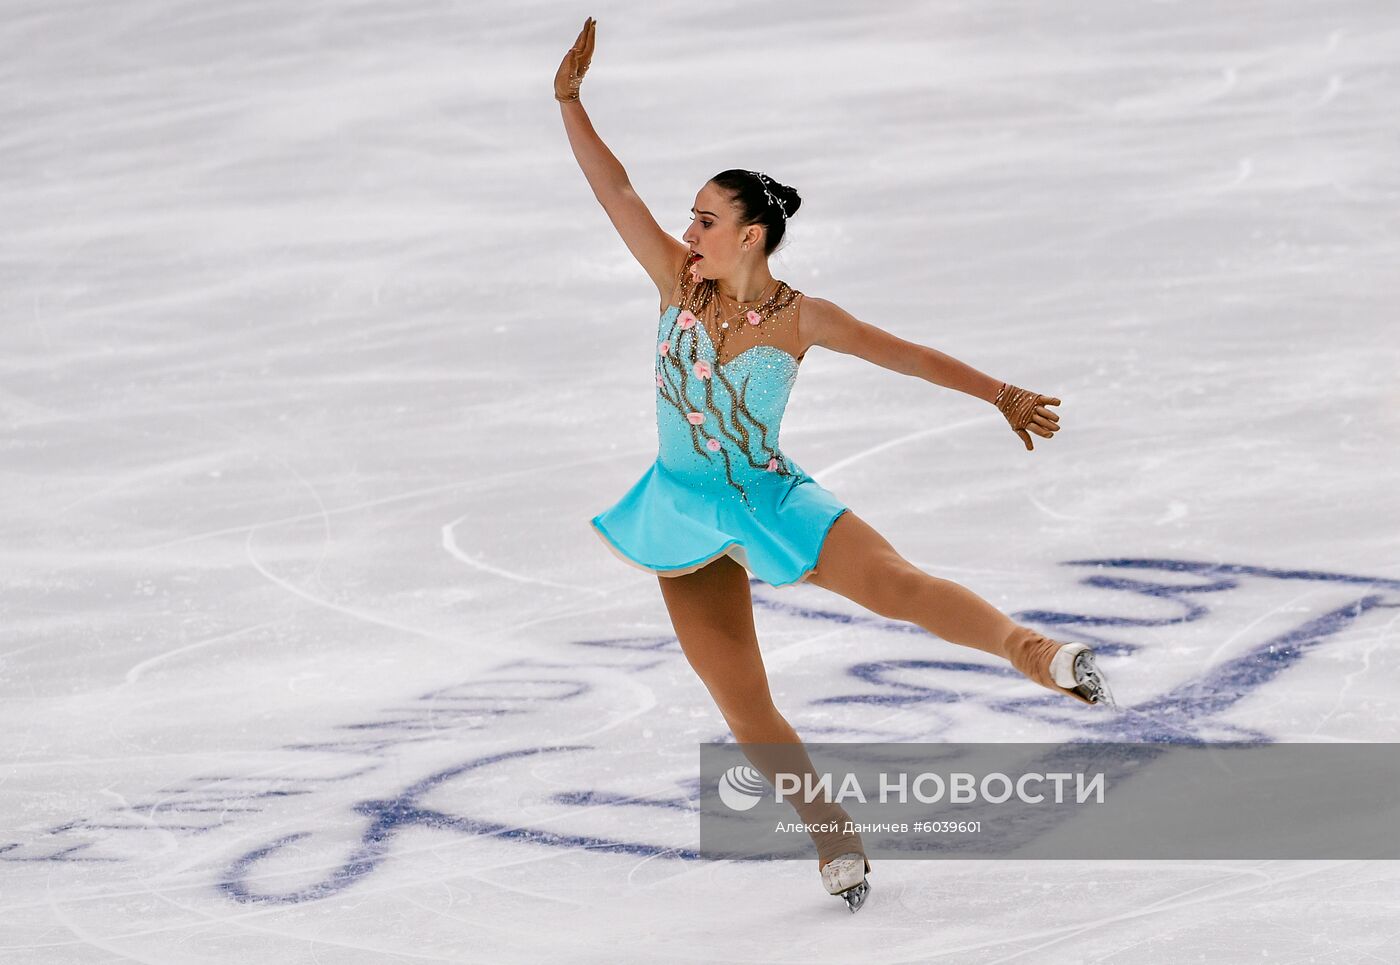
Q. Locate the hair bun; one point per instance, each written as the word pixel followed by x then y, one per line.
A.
pixel 778 194
pixel 791 199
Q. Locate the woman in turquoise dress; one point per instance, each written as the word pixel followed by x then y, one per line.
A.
pixel 723 500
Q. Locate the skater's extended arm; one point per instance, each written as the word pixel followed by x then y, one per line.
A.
pixel 658 253
pixel 830 326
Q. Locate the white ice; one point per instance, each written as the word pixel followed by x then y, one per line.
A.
pixel 317 354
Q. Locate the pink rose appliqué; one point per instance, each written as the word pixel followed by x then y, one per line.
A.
pixel 702 369
pixel 713 445
pixel 686 319
pixel 753 317
pixel 660 384
pixel 663 348
pixel 773 464
pixel 695 418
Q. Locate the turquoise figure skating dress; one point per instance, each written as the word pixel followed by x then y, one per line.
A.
pixel 721 484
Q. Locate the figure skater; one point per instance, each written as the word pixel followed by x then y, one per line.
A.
pixel 722 497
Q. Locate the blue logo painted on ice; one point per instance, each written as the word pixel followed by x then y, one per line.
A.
pixel 740 787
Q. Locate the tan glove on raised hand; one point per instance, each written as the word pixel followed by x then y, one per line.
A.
pixel 575 64
pixel 1026 410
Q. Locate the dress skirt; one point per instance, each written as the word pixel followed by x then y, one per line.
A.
pixel 669 525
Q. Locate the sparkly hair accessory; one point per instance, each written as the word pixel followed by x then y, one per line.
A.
pixel 763 180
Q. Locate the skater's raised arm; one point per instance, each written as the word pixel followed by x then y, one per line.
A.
pixel 658 253
pixel 831 326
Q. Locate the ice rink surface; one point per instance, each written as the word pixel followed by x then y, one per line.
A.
pixel 317 354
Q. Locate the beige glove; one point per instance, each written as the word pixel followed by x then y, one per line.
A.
pixel 575 64
pixel 1026 410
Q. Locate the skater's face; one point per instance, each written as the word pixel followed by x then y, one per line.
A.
pixel 715 233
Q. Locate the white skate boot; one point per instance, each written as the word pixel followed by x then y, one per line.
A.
pixel 844 876
pixel 1074 669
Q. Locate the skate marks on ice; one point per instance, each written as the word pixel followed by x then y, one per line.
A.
pixel 326 835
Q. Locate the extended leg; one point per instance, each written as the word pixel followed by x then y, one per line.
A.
pixel 861 565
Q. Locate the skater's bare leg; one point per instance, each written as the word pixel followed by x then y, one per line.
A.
pixel 711 610
pixel 712 613
pixel 861 565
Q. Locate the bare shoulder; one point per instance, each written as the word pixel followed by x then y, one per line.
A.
pixel 820 322
pixel 827 324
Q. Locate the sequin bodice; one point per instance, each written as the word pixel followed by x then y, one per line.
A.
pixel 718 418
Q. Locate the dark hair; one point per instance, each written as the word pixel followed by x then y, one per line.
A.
pixel 752 202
